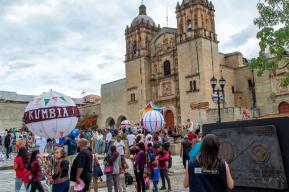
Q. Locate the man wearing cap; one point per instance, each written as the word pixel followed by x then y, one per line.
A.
pixel 185 148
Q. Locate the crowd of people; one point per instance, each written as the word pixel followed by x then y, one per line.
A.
pixel 77 160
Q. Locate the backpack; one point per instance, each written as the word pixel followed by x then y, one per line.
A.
pixel 27 174
pixel 7 141
pixel 128 178
pixel 97 171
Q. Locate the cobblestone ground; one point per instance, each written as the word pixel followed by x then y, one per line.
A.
pixel 7 179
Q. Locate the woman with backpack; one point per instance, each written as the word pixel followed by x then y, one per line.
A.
pixel 208 172
pixel 60 179
pixel 36 172
pixel 19 165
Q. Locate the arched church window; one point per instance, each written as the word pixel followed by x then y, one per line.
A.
pixel 134 48
pixel 167 68
pixel 189 25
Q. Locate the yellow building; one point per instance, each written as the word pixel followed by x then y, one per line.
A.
pixel 173 68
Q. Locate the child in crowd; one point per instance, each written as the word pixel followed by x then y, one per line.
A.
pixel 155 176
pixel 147 182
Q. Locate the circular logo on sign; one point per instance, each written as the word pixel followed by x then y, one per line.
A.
pixel 259 153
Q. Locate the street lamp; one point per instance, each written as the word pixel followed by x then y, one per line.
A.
pixel 218 94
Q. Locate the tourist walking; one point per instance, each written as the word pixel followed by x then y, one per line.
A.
pixel 112 167
pixel 108 138
pixel 164 157
pixel 185 149
pixel 60 179
pixel 120 146
pixel 99 141
pixel 81 169
pixel 71 148
pixel 20 163
pixel 139 164
pixel 8 144
pixel 36 172
pixel 208 173
pixel 130 139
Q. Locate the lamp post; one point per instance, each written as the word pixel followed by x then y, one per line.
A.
pixel 218 94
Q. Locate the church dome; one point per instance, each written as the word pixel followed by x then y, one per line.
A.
pixel 142 17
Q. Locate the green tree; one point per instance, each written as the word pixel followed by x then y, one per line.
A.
pixel 273 36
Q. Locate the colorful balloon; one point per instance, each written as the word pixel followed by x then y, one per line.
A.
pixel 153 121
pixel 125 124
pixel 75 133
pixel 51 115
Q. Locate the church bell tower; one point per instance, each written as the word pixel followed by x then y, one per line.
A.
pixel 198 55
pixel 137 63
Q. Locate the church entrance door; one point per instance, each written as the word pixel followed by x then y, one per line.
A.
pixel 170 121
pixel 283 108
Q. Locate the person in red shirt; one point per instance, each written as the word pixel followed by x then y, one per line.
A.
pixel 191 136
pixel 164 156
pixel 19 165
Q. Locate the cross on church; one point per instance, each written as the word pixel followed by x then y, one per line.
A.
pixel 142 2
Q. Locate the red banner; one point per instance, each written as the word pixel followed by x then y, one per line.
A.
pixel 44 114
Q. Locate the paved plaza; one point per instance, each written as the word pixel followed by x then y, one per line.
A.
pixel 7 179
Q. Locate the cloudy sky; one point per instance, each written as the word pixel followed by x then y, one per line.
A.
pixel 75 45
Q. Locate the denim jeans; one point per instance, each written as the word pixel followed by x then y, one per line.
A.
pixel 97 146
pixel 18 184
pixel 156 189
pixel 7 152
pixel 107 143
pixel 63 187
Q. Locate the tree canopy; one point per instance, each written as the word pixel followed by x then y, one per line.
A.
pixel 273 22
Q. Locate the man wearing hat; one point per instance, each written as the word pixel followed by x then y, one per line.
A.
pixel 185 148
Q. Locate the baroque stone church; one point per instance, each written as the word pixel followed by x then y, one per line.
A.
pixel 173 67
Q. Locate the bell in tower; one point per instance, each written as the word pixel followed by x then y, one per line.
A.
pixel 139 34
pixel 195 19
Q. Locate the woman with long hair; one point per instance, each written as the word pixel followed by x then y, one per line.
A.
pixel 208 173
pixel 36 172
pixel 19 165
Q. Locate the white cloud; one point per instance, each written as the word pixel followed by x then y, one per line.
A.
pixel 75 45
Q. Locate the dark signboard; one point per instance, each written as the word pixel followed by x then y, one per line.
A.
pixel 257 152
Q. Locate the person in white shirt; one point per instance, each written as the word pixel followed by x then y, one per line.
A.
pixel 134 130
pixel 119 144
pixel 99 138
pixel 130 139
pixel 107 140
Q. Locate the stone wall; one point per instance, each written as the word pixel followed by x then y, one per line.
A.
pixel 228 114
pixel 113 102
pixel 93 109
pixel 269 94
pixel 11 115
